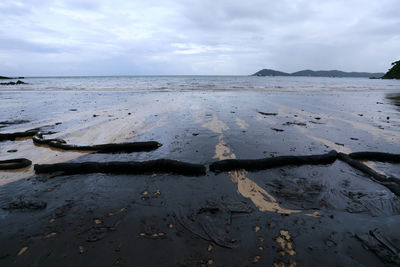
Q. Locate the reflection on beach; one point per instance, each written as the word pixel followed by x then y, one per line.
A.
pixel 88 130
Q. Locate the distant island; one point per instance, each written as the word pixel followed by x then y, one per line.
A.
pixel 9 78
pixel 319 73
pixel 394 72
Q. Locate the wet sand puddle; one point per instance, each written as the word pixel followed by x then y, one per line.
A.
pixel 377 133
pixel 388 135
pixel 93 130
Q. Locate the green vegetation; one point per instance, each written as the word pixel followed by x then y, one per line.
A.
pixel 394 72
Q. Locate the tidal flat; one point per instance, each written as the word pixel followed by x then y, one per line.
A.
pixel 311 215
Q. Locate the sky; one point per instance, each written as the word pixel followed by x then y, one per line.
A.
pixel 207 37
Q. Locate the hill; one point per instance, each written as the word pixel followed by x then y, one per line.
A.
pixel 394 72
pixel 320 73
pixel 269 72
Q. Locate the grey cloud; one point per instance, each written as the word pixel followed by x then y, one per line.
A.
pixel 198 37
pixel 9 44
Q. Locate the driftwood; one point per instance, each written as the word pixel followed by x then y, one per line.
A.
pixel 267 163
pixel 376 156
pixel 130 167
pixel 13 164
pixel 390 182
pixel 103 148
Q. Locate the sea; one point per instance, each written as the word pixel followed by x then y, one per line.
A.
pixel 195 83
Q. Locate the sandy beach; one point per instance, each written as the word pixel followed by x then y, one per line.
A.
pixel 286 216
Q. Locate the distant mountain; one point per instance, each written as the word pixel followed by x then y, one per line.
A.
pixel 394 72
pixel 320 73
pixel 268 72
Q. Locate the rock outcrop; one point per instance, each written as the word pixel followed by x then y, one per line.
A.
pixel 13 83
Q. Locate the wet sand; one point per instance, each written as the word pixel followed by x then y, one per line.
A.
pixel 304 215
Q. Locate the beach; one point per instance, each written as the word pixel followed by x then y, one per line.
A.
pixel 283 216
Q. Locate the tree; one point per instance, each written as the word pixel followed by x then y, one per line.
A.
pixel 394 72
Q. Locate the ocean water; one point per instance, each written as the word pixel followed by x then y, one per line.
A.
pixel 192 83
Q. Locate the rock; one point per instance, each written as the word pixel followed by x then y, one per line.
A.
pixel 13 83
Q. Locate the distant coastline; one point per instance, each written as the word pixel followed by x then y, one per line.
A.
pixel 320 73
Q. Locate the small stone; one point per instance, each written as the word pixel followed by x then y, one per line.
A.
pixel 210 247
pixel 51 234
pixel 22 251
pixel 97 221
pixel 81 249
pixel 256 259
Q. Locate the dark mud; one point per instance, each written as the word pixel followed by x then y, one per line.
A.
pixel 304 215
pixel 23 204
pixel 103 148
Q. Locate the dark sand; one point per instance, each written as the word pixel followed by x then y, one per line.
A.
pixel 323 215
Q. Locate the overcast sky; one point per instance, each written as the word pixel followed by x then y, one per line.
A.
pixel 118 37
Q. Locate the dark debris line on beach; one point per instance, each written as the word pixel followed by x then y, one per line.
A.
pixel 13 136
pixel 13 164
pixel 267 163
pixel 189 169
pixel 130 167
pixel 178 167
pixel 103 148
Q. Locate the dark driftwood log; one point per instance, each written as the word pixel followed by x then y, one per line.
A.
pixel 13 136
pixel 103 148
pixel 130 167
pixel 267 163
pixel 376 156
pixel 390 182
pixel 13 164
